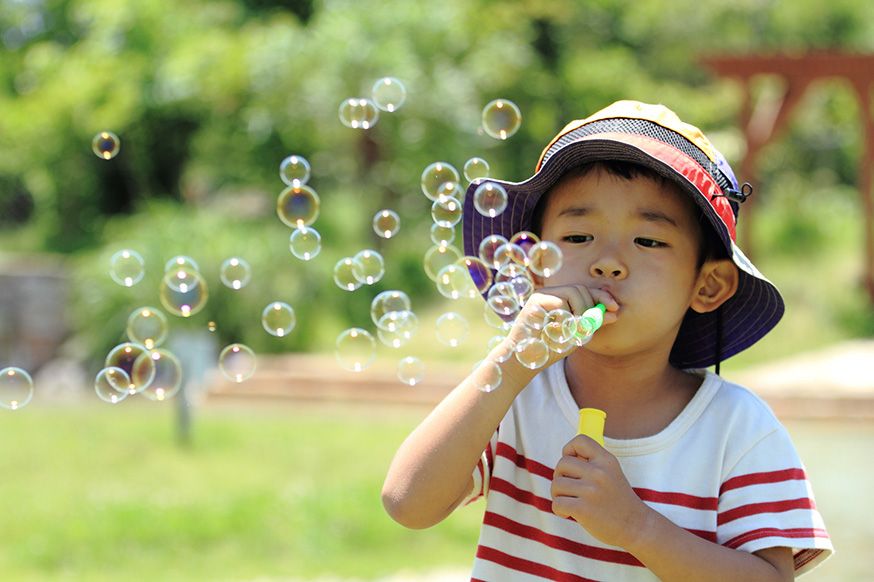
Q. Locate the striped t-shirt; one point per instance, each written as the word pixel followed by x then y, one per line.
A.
pixel 724 469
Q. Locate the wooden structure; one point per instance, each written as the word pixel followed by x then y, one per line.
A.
pixel 761 121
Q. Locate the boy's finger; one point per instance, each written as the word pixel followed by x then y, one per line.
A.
pixel 571 466
pixel 583 446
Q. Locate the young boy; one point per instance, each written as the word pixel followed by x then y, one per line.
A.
pixel 697 479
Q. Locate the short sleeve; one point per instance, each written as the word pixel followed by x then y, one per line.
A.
pixel 482 472
pixel 766 501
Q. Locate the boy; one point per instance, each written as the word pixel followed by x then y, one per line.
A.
pixel 697 479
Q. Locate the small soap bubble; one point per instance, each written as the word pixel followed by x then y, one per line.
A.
pixel 479 272
pixel 501 349
pixel 235 273
pixel 211 326
pixel 294 171
pixel 487 248
pixel 452 329
pixel 355 349
pixel 557 347
pixel 112 384
pixel 502 299
pixel 388 302
pixel 523 286
pixel 526 240
pixel 411 370
pixel 438 257
pixel 386 223
pixel 501 118
pixel 237 362
pixel 534 318
pixel 344 274
pixel 135 360
pixel 545 258
pixel 105 145
pixel 532 353
pixel 442 235
pixel 435 175
pixel 181 261
pixel 147 326
pixel 168 376
pixel 490 199
pixel 127 267
pixel 183 292
pixel 446 211
pixel 305 243
pixel 508 254
pixel 558 325
pixel 450 190
pixel 278 319
pixel 396 328
pixel 358 113
pixel 368 266
pixel 489 375
pixel 389 94
pixel 16 388
pixel 454 282
pixel 298 206
pixel 475 169
pixel 494 320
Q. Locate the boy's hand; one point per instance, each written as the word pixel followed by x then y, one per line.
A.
pixel 588 486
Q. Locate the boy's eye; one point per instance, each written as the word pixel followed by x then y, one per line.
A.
pixel 577 238
pixel 649 243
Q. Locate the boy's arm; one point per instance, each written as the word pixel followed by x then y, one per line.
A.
pixel 589 487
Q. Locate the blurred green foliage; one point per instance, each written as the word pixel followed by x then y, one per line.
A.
pixel 209 95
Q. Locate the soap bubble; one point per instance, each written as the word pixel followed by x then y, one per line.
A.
pixel 344 274
pixel 487 248
pixel 534 318
pixel 147 326
pixel 509 253
pixel 442 235
pixel 524 239
pixel 235 273
pixel 435 175
pixel 135 360
pixel 545 259
pixel 127 267
pixel 532 353
pixel 396 328
pixel 490 199
pixel 502 299
pixel 368 266
pixel 305 243
pixel 488 375
pixel 450 190
pixel 112 384
pixel 105 145
pixel 16 388
pixel 389 94
pixel 294 171
pixel 501 118
pixel 476 168
pixel 479 272
pixel 558 347
pixel 388 302
pixel 438 257
pixel 452 329
pixel 386 223
pixel 494 320
pixel 454 282
pixel 298 206
pixel 181 261
pixel 237 362
pixel 183 292
pixel 446 211
pixel 355 349
pixel 411 370
pixel 501 349
pixel 558 325
pixel 168 376
pixel 358 113
pixel 211 327
pixel 278 319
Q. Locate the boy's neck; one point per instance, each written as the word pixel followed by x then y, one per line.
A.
pixel 641 395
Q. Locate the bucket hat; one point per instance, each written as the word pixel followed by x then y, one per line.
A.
pixel 652 136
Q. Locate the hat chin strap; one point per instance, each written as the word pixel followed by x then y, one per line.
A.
pixel 718 337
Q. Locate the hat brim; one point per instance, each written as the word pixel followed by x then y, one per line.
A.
pixel 752 312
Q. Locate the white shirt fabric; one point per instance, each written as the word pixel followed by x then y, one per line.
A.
pixel 724 469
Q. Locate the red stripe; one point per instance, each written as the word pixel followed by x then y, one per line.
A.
pixel 559 543
pixel 767 507
pixel 533 467
pixel 527 566
pixel 772 532
pixel 710 536
pixel 763 477
pixel 675 498
pixel 806 556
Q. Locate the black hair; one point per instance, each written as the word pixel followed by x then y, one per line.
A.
pixel 710 247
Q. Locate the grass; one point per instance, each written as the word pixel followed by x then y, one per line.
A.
pixel 90 493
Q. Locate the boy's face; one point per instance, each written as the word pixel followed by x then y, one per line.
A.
pixel 637 240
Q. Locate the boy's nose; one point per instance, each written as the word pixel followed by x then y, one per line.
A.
pixel 607 268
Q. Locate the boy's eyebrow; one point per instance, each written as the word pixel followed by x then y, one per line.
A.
pixel 575 211
pixel 651 215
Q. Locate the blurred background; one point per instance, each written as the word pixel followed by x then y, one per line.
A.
pixel 279 477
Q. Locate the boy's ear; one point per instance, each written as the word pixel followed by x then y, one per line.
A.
pixel 716 284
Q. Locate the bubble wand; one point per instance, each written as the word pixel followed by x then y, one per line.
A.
pixel 591 419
